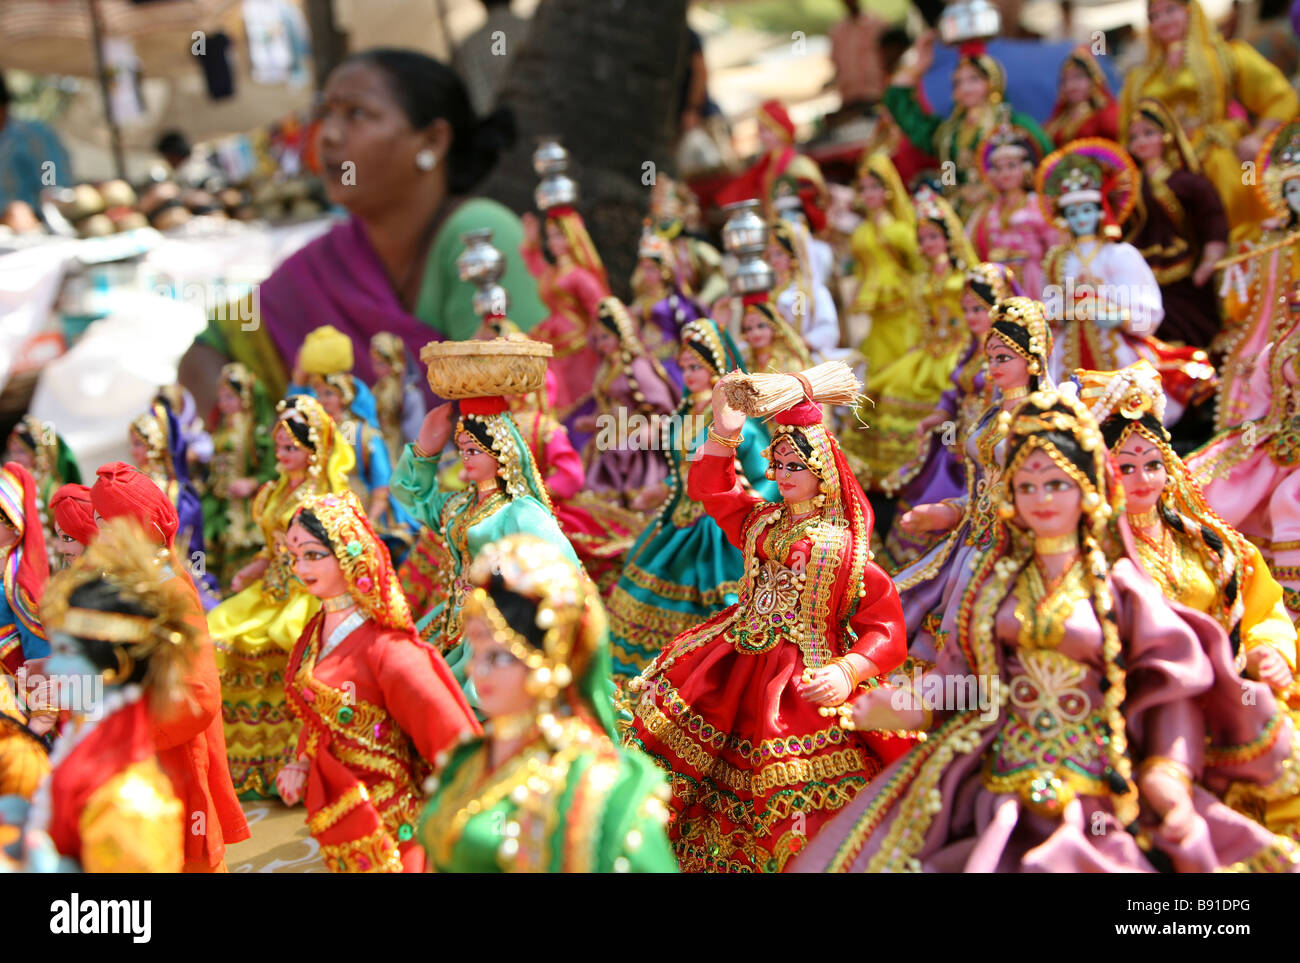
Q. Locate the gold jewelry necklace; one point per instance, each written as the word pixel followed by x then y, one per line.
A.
pixel 338 603
pixel 1056 544
pixel 512 726
pixel 487 486
pixel 1148 519
pixel 1016 393
pixel 806 507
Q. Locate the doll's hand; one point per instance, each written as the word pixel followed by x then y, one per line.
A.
pixel 924 50
pixel 929 518
pixel 435 429
pixel 1248 147
pixel 727 421
pixel 649 498
pixel 1266 664
pixel 532 230
pixel 253 570
pixel 1171 799
pixel 929 423
pixel 874 710
pixel 289 782
pixel 242 487
pixel 586 424
pixel 827 686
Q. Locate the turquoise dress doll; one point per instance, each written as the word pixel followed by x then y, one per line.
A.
pixel 511 500
pixel 682 569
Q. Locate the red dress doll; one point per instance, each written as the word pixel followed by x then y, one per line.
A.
pixel 737 708
pixel 377 704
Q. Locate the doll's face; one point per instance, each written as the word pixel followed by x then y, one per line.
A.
pixel 756 330
pixel 970 88
pixel 603 341
pixel 139 450
pixel 779 258
pixel 1083 217
pixel 329 397
pixel 315 564
pixel 68 546
pixel 873 192
pixel 648 275
pixel 479 464
pixel 68 659
pixel 1168 20
pixel 228 402
pixel 1048 501
pixel 1008 168
pixel 499 678
pixel 9 535
pixel 289 455
pixel 696 375
pixel 1075 85
pixel 768 140
pixel 932 241
pixel 796 481
pixel 1291 192
pixel 1007 369
pixel 381 367
pixel 976 313
pixel 1145 139
pixel 17 451
pixel 556 242
pixel 1142 472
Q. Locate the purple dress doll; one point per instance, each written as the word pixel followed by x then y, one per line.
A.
pixel 158 449
pixel 1017 347
pixel 938 472
pixel 1105 717
pixel 661 305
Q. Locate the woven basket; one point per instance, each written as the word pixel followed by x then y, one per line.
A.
pixel 513 365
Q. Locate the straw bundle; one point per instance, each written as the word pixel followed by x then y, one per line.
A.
pixel 514 365
pixel 762 394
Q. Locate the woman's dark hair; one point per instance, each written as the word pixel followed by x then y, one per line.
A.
pixel 796 438
pixel 519 611
pixel 984 291
pixel 426 90
pixel 102 596
pixel 705 354
pixel 24 432
pixel 1114 426
pixel 480 434
pixel 297 428
pixel 605 315
pixel 1015 334
pixel 312 525
pixel 1067 445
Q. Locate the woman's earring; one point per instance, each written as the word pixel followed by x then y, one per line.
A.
pixel 426 159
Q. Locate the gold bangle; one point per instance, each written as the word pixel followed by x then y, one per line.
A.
pixel 1171 766
pixel 724 440
pixel 850 673
pixel 419 452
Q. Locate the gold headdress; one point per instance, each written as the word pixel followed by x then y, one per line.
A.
pixel 241 379
pixel 1007 138
pixel 721 354
pixel 1129 393
pixel 127 559
pixel 997 277
pixel 152 427
pixel 1029 316
pixel 391 348
pixel 931 207
pixel 372 582
pixel 568 609
pixel 328 453
pixel 1279 159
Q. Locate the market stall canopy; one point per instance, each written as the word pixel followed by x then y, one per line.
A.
pixel 57 36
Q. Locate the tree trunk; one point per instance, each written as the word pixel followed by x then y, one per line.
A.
pixel 328 45
pixel 603 75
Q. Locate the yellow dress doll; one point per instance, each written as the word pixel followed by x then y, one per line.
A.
pixel 255 630
pixel 902 394
pixel 1200 561
pixel 886 261
pixel 1201 79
